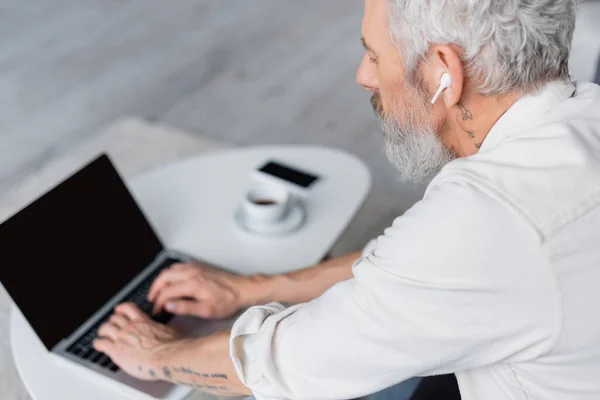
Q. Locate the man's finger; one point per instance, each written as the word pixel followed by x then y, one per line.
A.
pixel 191 308
pixel 183 266
pixel 108 330
pixel 182 307
pixel 174 292
pixel 118 320
pixel 105 346
pixel 167 277
pixel 131 311
pixel 205 310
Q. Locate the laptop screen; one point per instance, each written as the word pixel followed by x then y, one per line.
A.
pixel 66 254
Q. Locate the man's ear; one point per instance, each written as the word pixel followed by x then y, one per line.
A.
pixel 445 59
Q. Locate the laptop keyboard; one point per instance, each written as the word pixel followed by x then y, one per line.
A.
pixel 84 349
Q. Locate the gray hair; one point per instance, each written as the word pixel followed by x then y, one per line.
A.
pixel 508 44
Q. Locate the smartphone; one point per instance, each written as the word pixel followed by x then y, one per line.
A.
pixel 297 180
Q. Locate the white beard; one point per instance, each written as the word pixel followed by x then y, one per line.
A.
pixel 412 144
pixel 416 151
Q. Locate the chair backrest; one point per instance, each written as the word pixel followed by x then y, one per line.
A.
pixel 585 53
pixel 598 73
pixel 441 387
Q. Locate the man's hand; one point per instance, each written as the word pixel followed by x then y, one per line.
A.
pixel 197 290
pixel 132 340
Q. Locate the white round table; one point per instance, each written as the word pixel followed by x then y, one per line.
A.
pixel 191 205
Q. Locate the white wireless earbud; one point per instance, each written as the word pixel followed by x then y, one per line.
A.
pixel 445 83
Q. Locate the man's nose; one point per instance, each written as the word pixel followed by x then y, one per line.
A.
pixel 366 75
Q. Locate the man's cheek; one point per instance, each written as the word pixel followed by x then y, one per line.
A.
pixel 387 105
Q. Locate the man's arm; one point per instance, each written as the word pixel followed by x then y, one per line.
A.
pixel 206 292
pixel 299 286
pixel 150 351
pixel 202 363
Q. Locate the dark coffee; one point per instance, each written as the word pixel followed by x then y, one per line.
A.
pixel 264 202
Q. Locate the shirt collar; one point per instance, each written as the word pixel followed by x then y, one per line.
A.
pixel 527 112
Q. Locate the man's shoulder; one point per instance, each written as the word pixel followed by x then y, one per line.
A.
pixel 457 233
pixel 549 174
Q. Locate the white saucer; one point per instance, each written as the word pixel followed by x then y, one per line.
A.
pixel 292 222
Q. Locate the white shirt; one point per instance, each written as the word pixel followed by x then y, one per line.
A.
pixel 494 276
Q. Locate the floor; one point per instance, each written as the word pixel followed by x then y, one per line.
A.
pixel 247 72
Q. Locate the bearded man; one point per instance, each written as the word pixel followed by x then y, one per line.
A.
pixel 492 278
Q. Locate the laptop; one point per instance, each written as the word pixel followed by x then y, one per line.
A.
pixel 76 252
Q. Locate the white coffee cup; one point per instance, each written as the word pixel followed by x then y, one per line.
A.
pixel 266 204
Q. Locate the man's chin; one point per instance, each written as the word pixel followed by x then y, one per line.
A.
pixel 418 154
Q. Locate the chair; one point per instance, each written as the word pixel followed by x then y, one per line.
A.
pixel 585 53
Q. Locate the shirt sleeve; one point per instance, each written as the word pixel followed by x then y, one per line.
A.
pixel 458 282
